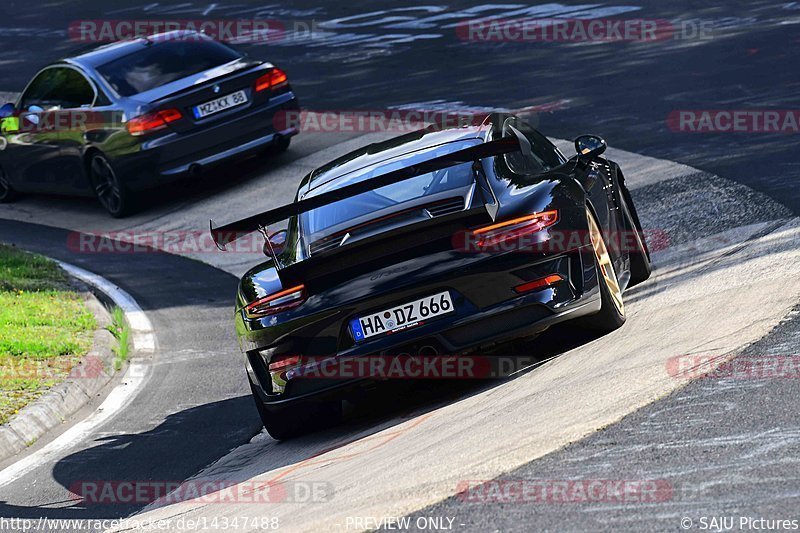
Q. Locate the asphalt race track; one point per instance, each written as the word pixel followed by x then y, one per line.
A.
pixel 726 282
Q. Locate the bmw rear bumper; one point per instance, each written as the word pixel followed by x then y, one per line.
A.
pixel 254 145
pixel 169 157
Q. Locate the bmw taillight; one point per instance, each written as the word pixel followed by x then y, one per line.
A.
pixel 510 230
pixel 150 122
pixel 271 80
pixel 276 302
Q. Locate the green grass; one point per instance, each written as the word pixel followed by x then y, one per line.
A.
pixel 44 328
pixel 122 332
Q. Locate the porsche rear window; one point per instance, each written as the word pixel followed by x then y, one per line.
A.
pixel 164 62
pixel 352 208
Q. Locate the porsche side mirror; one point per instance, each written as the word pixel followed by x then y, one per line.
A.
pixel 277 241
pixel 6 110
pixel 589 146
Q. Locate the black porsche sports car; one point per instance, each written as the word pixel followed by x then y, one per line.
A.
pixel 136 114
pixel 435 243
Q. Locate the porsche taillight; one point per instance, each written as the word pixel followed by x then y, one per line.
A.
pixel 276 302
pixel 509 230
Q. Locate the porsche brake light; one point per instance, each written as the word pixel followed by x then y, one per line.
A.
pixel 282 362
pixel 547 281
pixel 278 367
pixel 501 232
pixel 154 121
pixel 276 302
pixel 271 80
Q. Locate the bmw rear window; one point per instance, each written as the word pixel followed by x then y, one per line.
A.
pixel 164 62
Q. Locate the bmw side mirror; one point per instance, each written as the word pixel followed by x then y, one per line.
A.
pixel 276 241
pixel 589 146
pixel 6 110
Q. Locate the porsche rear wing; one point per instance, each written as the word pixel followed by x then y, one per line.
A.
pixel 224 235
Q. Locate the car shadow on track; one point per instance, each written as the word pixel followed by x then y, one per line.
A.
pixel 422 396
pixel 147 458
pixel 151 459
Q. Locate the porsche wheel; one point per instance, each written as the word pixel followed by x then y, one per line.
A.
pixel 641 268
pixel 297 419
pixel 612 313
pixel 280 424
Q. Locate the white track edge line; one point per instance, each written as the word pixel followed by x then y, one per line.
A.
pixel 133 381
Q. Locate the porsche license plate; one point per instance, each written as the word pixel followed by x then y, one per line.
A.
pixel 402 316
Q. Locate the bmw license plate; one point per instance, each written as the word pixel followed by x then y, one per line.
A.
pixel 401 317
pixel 220 104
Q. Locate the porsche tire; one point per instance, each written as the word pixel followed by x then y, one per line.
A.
pixel 612 311
pixel 641 268
pixel 298 419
